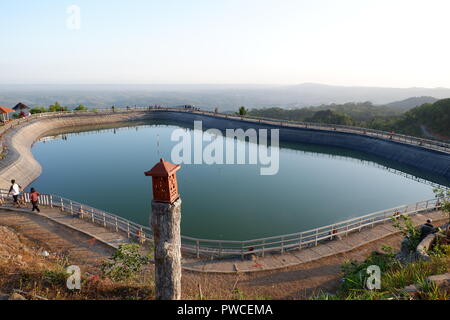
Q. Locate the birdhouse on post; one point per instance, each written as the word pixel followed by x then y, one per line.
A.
pixel 164 181
pixel 165 223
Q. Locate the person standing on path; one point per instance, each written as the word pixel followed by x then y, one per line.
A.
pixel 15 191
pixel 34 198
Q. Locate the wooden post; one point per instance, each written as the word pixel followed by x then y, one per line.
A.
pixel 165 222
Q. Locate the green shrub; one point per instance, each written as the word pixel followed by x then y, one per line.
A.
pixel 56 107
pixel 440 250
pixel 126 263
pixel 38 110
pixel 80 108
pixel 54 278
pixel 405 224
pixel 355 273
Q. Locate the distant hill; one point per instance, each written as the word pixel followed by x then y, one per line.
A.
pixel 411 102
pixel 310 94
pixel 225 97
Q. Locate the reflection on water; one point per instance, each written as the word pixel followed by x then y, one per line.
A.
pixel 315 185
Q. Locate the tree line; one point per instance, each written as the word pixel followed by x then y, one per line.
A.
pixel 434 117
pixel 56 107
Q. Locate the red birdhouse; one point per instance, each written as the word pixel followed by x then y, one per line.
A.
pixel 164 181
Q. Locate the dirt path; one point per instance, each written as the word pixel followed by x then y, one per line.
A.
pixel 428 134
pixel 79 248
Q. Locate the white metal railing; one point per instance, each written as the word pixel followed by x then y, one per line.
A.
pixel 108 220
pixel 220 248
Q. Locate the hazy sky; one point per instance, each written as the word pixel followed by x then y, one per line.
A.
pixel 346 42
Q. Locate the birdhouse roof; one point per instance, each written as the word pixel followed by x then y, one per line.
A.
pixel 163 169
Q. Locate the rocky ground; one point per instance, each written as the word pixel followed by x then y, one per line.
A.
pixel 17 253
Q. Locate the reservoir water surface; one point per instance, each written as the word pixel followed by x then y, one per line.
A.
pixel 315 185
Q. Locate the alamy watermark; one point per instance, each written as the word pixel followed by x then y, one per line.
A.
pixel 73 21
pixel 373 282
pixel 74 280
pixel 225 150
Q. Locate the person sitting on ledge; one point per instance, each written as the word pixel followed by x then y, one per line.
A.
pixel 426 229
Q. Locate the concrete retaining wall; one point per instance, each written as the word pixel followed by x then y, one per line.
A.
pixel 424 246
pixel 20 164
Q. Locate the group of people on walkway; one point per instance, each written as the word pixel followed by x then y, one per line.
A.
pixel 19 199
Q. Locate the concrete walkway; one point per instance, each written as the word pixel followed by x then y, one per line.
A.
pixel 234 265
pixel 107 237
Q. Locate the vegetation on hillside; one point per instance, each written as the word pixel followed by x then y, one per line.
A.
pixel 395 276
pixel 329 116
pixel 436 117
pixel 433 117
pixel 359 112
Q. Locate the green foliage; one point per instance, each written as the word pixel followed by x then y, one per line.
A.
pixel 358 113
pixel 56 107
pixel 332 117
pixel 401 276
pixel 238 295
pixel 243 111
pixel 443 197
pixel 126 263
pixel 428 290
pixel 324 296
pixel 434 116
pixel 355 273
pixel 405 224
pixel 80 108
pixel 54 278
pixel 394 277
pixel 440 250
pixel 38 110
